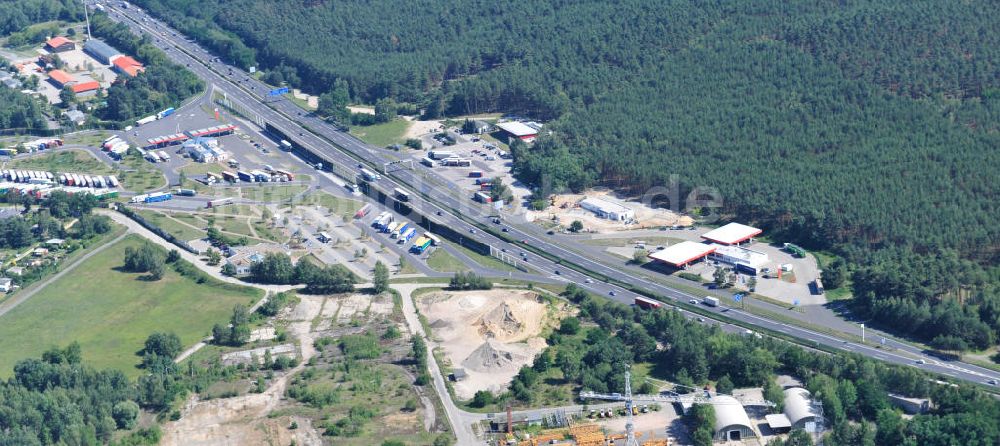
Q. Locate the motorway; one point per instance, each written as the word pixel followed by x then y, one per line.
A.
pixel 442 204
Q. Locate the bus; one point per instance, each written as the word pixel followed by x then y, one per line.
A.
pixel 401 194
pixel 219 202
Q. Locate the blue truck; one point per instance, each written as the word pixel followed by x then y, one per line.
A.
pixel 158 197
pixel 165 113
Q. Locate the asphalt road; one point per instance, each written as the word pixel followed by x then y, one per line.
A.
pixel 445 204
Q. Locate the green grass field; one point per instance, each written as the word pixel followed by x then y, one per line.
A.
pixel 382 135
pixel 77 161
pixel 441 260
pixel 111 313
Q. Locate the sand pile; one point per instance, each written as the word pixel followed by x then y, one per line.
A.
pixel 491 357
pixel 500 323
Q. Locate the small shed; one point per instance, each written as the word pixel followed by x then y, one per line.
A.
pixel 55 242
pixel 912 406
pixel 6 284
pixel 15 271
pixel 458 375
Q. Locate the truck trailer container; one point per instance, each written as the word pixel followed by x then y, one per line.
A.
pixel 145 120
pixel 646 304
pixel 401 194
pixel 165 113
pixel 420 245
pixel 482 198
pixel 368 175
pixel 163 155
pixel 219 202
pixel 710 301
pixel 228 176
pixel 406 235
pixel 434 240
pixel 476 174
pixel 440 154
pixel 399 230
pixel 427 162
pixel 157 197
pixel 245 176
pixel 361 213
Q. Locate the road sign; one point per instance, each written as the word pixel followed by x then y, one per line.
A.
pixel 278 91
pixel 737 297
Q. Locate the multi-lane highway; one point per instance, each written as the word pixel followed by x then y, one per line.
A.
pixel 443 205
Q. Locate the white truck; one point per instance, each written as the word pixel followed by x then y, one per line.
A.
pixel 710 301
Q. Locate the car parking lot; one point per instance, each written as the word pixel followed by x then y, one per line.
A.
pixel 489 157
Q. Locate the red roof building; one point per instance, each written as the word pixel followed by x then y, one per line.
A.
pixel 59 44
pixel 61 78
pixel 128 65
pixel 86 87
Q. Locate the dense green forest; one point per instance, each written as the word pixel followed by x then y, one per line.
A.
pixel 861 127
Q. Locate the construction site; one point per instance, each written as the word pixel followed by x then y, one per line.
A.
pixel 486 336
pixel 601 212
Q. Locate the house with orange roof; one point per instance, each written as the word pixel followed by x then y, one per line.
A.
pixel 59 44
pixel 127 65
pixel 61 78
pixel 84 89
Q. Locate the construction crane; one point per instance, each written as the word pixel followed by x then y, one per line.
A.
pixel 629 399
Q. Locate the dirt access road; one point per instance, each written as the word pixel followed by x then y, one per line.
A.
pixel 461 421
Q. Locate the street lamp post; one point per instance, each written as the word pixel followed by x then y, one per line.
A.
pixel 862 333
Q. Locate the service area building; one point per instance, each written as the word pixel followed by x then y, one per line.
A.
pixel 608 209
pixel 682 254
pixel 744 260
pixel 732 234
pixel 518 130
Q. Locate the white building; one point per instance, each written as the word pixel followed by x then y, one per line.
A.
pixel 205 150
pixel 798 407
pixel 731 420
pixel 735 255
pixel 6 284
pixel 608 209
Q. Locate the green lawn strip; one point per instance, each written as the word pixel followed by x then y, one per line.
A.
pixel 650 242
pixel 175 228
pixel 441 260
pixel 344 207
pixel 111 312
pixel 382 135
pixel 486 261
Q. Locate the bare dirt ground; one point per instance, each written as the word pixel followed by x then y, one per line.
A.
pixel 361 109
pixel 420 128
pixel 490 334
pixel 565 208
pixel 244 420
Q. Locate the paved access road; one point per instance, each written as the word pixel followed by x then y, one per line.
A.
pixel 450 207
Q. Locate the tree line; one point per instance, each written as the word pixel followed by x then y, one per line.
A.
pixel 278 269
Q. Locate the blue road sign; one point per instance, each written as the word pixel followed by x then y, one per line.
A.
pixel 737 297
pixel 278 91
